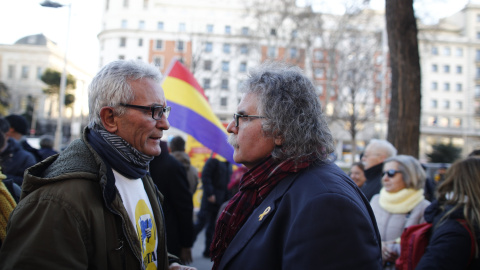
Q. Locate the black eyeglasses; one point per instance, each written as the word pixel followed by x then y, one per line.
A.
pixel 236 116
pixel 157 111
pixel 391 173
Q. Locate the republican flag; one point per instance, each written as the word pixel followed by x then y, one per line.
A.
pixel 191 112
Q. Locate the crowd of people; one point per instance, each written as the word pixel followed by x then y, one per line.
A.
pixel 121 198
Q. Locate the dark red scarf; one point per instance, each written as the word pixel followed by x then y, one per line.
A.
pixel 255 185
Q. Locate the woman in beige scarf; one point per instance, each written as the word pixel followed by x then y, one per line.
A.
pixel 400 204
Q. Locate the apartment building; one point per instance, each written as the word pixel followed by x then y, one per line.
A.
pixel 21 67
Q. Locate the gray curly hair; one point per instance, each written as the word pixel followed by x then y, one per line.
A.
pixel 292 109
pixel 111 86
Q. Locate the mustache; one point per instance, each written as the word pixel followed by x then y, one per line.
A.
pixel 232 140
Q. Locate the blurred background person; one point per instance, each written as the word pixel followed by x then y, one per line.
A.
pixel 458 200
pixel 7 201
pixel 399 204
pixel 375 153
pixel 46 147
pixel 357 173
pixel 177 150
pixel 170 177
pixel 13 158
pixel 19 128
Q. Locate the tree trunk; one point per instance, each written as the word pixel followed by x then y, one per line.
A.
pixel 404 116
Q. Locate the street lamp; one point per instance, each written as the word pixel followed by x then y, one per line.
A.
pixel 63 79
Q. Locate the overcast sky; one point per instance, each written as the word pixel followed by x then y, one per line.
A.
pixel 19 18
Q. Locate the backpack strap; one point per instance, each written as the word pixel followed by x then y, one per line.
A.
pixel 472 242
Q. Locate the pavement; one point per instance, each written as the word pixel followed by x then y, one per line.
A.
pixel 200 262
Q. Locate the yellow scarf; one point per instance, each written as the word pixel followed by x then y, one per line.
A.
pixel 400 202
pixel 7 204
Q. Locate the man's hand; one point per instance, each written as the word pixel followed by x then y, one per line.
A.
pixel 186 255
pixel 176 266
pixel 212 199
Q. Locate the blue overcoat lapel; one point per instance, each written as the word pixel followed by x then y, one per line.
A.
pixel 261 215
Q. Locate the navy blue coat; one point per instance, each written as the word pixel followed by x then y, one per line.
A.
pixel 316 219
pixel 15 160
pixel 449 246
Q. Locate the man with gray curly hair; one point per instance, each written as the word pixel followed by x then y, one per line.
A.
pixel 95 206
pixel 295 208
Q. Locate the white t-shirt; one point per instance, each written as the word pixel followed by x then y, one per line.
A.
pixel 139 210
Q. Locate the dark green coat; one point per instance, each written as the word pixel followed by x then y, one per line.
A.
pixel 71 217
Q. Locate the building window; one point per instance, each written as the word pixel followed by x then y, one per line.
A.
pixel 459 69
pixel 158 44
pixel 446 86
pixel 477 55
pixel 25 71
pixel 293 53
pixel 121 57
pixel 141 25
pixel 478 35
pixel 125 3
pixel 140 42
pixel 223 101
pixel 123 42
pixel 319 72
pixel 273 32
pixel 434 68
pixel 224 84
pixel 446 51
pixel 477 73
pixel 11 71
pixel 209 28
pixel 207 65
pixel 157 61
pixel 208 46
pixel 477 91
pixel 245 31
pixel 446 69
pixel 180 46
pixel 39 73
pixel 228 29
pixel 446 104
pixel 434 50
pixel 145 4
pixel 225 66
pixel 181 27
pixel 319 55
pixel 206 83
pixel 243 67
pixel 226 48
pixel 457 122
pixel 160 25
pixel 458 87
pixel 124 24
pixel 459 52
pixel 478 17
pixel 272 52
pixel 294 34
pixel 433 104
pixel 434 86
pixel 458 105
pixel 243 49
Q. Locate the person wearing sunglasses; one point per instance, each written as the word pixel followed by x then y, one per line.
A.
pixel 400 203
pixel 295 209
pixel 95 206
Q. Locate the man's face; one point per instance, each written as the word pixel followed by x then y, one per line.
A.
pixel 248 141
pixel 372 157
pixel 137 126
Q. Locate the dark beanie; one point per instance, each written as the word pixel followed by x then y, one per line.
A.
pixel 18 123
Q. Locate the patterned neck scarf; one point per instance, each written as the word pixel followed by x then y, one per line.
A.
pixel 119 154
pixel 255 185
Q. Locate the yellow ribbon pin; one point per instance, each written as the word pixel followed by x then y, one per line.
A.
pixel 267 210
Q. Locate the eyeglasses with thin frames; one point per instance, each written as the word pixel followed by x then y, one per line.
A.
pixel 391 173
pixel 236 116
pixel 157 111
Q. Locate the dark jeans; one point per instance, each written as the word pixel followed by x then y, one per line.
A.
pixel 207 216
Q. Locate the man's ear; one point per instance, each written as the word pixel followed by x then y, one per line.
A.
pixel 108 119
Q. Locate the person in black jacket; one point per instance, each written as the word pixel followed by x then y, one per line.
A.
pixel 215 178
pixel 375 153
pixel 171 179
pixel 19 127
pixel 450 245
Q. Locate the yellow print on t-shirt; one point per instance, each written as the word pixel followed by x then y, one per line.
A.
pixel 147 234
